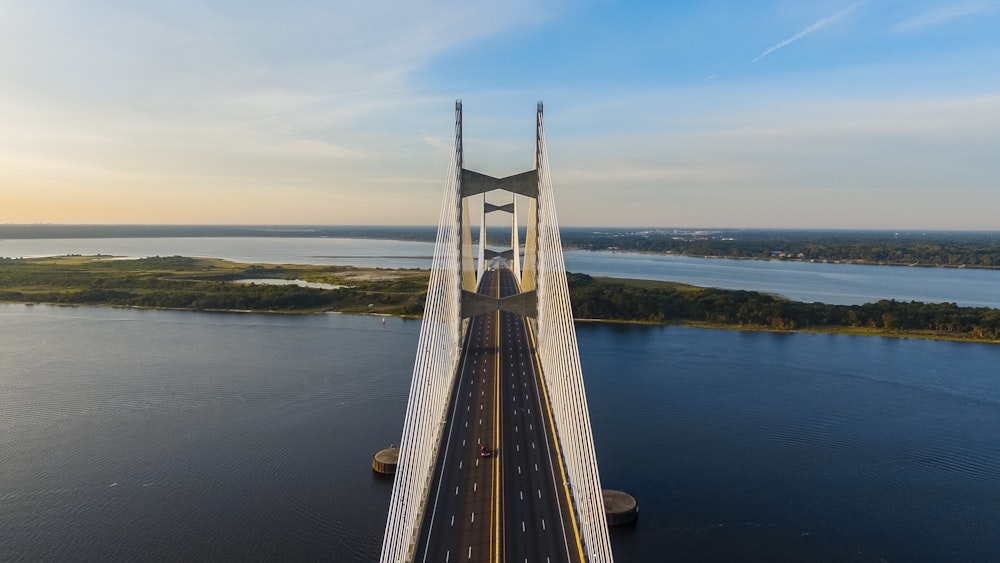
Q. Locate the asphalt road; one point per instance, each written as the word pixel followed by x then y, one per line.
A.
pixel 512 505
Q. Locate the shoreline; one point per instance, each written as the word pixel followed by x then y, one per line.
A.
pixel 832 330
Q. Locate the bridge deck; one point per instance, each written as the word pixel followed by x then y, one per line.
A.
pixel 512 505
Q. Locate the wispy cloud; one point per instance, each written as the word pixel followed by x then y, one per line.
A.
pixel 825 22
pixel 944 14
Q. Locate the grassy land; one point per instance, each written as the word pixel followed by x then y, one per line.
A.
pixel 207 284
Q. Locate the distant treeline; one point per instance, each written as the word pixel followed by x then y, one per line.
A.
pixel 932 248
pixel 604 299
pixel 972 249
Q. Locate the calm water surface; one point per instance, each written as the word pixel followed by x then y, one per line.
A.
pixel 180 435
pixel 268 250
pixel 828 283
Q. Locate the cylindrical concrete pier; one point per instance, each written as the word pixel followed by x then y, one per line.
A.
pixel 619 507
pixel 385 461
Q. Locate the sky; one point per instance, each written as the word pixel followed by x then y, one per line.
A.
pixel 878 114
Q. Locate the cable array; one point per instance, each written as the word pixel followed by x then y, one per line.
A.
pixel 433 372
pixel 560 359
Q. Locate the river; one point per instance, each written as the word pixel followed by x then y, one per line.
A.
pixel 165 435
pixel 179 435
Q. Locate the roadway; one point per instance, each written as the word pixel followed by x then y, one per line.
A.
pixel 512 505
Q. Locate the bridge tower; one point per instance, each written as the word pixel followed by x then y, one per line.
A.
pixel 452 299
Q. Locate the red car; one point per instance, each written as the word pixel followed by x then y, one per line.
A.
pixel 485 451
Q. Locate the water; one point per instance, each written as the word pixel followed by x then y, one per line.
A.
pixel 180 436
pixel 151 435
pixel 841 284
pixel 796 447
pixel 267 250
pixel 837 284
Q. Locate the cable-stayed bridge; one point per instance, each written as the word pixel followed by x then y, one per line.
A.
pixel 497 461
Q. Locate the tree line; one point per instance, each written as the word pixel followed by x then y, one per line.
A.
pixel 981 250
pixel 602 299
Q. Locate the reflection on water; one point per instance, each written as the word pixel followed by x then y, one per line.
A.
pixel 299 283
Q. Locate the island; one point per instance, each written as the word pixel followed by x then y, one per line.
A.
pixel 208 284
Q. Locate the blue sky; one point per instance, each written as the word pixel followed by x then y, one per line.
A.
pixel 827 114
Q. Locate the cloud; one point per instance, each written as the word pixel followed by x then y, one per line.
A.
pixel 205 99
pixel 807 31
pixel 942 15
pixel 815 162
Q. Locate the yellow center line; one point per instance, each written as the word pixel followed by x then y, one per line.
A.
pixel 552 425
pixel 496 501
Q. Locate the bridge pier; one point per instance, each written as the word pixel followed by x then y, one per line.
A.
pixel 619 507
pixel 384 461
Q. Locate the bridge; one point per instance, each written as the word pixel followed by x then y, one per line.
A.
pixel 496 461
